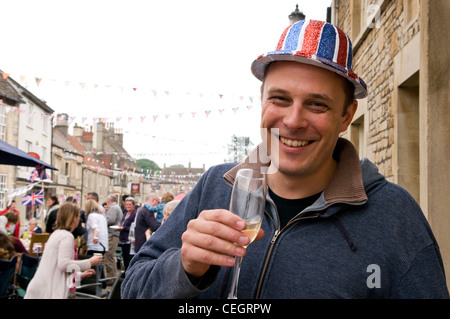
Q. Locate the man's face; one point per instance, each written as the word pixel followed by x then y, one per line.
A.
pixel 306 104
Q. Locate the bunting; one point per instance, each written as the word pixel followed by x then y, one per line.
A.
pixel 38 81
pixel 88 121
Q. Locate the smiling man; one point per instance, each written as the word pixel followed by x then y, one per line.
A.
pixel 333 226
pixel 307 106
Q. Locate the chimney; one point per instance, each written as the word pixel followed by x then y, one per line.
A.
pixel 118 136
pixel 62 123
pixel 77 131
pixel 87 139
pixel 99 135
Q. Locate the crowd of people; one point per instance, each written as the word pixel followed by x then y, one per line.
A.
pixel 94 230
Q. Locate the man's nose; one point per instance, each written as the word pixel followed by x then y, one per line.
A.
pixel 295 118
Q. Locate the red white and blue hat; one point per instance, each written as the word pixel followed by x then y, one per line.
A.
pixel 317 43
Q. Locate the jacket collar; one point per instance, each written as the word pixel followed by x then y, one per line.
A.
pixel 346 186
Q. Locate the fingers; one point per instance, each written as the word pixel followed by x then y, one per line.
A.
pixel 212 239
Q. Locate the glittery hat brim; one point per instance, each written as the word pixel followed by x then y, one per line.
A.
pixel 260 65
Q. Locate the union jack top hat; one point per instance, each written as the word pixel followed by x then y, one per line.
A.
pixel 317 43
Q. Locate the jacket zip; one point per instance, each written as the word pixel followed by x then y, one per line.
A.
pixel 272 244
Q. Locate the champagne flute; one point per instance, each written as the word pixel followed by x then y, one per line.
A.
pixel 248 199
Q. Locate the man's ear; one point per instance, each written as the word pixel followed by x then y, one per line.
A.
pixel 348 116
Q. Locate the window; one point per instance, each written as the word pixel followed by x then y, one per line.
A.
pixel 29 146
pixel 67 169
pixel 44 154
pixel 44 119
pixel 29 115
pixel 357 135
pixel 2 124
pixel 408 136
pixel 3 178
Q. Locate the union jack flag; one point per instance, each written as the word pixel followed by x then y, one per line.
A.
pixel 77 197
pixel 38 172
pixel 33 199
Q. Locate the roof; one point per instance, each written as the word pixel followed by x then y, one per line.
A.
pixel 71 143
pixel 30 96
pixel 7 91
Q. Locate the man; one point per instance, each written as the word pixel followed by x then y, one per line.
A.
pixel 333 226
pixel 94 196
pixel 113 218
pixel 145 220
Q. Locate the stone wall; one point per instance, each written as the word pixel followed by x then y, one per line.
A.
pixel 374 50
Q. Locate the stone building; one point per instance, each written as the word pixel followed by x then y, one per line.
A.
pixel 25 123
pixel 401 49
pixel 176 180
pixel 104 167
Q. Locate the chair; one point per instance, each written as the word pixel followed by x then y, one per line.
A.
pixel 7 269
pixel 113 293
pixel 27 268
pixel 38 239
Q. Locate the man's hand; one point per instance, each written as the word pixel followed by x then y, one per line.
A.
pixel 212 239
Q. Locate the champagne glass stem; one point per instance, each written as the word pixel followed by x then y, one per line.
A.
pixel 234 284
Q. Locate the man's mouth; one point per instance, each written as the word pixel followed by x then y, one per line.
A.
pixel 293 143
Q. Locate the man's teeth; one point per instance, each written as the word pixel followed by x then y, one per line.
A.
pixel 294 143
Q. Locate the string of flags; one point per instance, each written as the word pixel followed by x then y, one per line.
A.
pixel 21 190
pixel 86 121
pixel 155 92
pixel 240 102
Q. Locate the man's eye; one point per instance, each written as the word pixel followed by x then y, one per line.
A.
pixel 319 106
pixel 278 100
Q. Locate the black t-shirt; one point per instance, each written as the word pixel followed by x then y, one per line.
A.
pixel 288 208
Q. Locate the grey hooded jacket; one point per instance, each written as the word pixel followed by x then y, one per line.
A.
pixel 364 237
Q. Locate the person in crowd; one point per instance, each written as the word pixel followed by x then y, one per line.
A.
pixel 12 222
pixel 58 267
pixel 125 223
pixel 168 209
pixel 157 206
pixel 145 221
pixel 97 228
pixel 105 207
pixel 11 208
pixel 333 226
pixel 5 223
pixel 52 210
pixel 33 227
pixel 7 250
pixel 113 217
pixel 81 229
pixel 94 196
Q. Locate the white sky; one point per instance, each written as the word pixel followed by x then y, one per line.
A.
pixel 91 54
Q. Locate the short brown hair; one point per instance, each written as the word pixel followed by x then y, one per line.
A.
pixel 66 214
pixel 12 217
pixel 167 197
